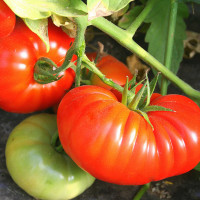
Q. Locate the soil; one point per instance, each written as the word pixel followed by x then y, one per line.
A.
pixel 182 187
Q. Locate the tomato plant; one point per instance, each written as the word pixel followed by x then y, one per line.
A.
pixel 7 19
pixel 102 135
pixel 122 147
pixel 37 167
pixel 19 52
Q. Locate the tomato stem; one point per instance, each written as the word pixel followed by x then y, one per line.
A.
pixel 48 72
pixel 141 17
pixel 92 67
pixel 142 191
pixel 55 142
pixel 170 43
pixel 124 38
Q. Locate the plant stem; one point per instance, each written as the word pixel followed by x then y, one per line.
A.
pixel 80 48
pixel 78 44
pixel 141 17
pixel 78 72
pixel 91 66
pixel 170 43
pixel 141 192
pixel 125 39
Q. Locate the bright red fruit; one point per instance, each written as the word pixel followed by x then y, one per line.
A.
pixel 7 19
pixel 19 52
pixel 117 145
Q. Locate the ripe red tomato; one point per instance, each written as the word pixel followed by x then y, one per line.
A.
pixel 111 68
pixel 7 19
pixel 117 145
pixel 19 52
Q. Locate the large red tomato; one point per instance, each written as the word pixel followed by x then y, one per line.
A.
pixel 19 52
pixel 118 145
pixel 7 19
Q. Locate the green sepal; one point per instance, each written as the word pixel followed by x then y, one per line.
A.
pixel 148 91
pixel 132 82
pixel 145 117
pixel 151 89
pixel 156 108
pixel 125 93
pixel 135 101
pixel 134 87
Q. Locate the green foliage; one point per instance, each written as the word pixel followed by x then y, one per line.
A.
pixel 130 16
pixel 40 9
pixel 98 8
pixel 40 27
pixel 157 33
pixel 190 1
pixel 197 167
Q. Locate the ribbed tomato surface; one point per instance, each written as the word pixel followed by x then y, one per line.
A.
pixel 117 145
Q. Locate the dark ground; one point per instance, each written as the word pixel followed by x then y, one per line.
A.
pixel 183 187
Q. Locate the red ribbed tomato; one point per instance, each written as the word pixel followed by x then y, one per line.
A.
pixel 118 145
pixel 19 52
pixel 7 19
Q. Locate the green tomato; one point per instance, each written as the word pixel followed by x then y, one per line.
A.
pixel 37 167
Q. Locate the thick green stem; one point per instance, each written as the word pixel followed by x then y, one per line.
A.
pixel 125 39
pixel 141 17
pixel 170 43
pixel 141 192
pixel 78 44
pixel 78 72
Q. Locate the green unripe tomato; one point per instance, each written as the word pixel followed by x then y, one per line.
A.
pixel 37 167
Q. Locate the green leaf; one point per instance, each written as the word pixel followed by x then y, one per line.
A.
pixel 40 9
pixel 99 8
pixel 40 27
pixel 157 33
pixel 129 17
pixel 190 1
pixel 116 15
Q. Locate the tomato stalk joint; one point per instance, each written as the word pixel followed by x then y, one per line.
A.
pixel 44 71
pixel 140 100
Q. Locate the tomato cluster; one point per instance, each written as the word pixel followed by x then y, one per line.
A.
pixel 101 137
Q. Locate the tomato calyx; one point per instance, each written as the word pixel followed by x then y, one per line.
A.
pixel 46 71
pixel 56 144
pixel 140 101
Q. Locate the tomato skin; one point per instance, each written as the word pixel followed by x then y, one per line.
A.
pixel 20 93
pixel 7 19
pixel 37 167
pixel 122 148
pixel 111 68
